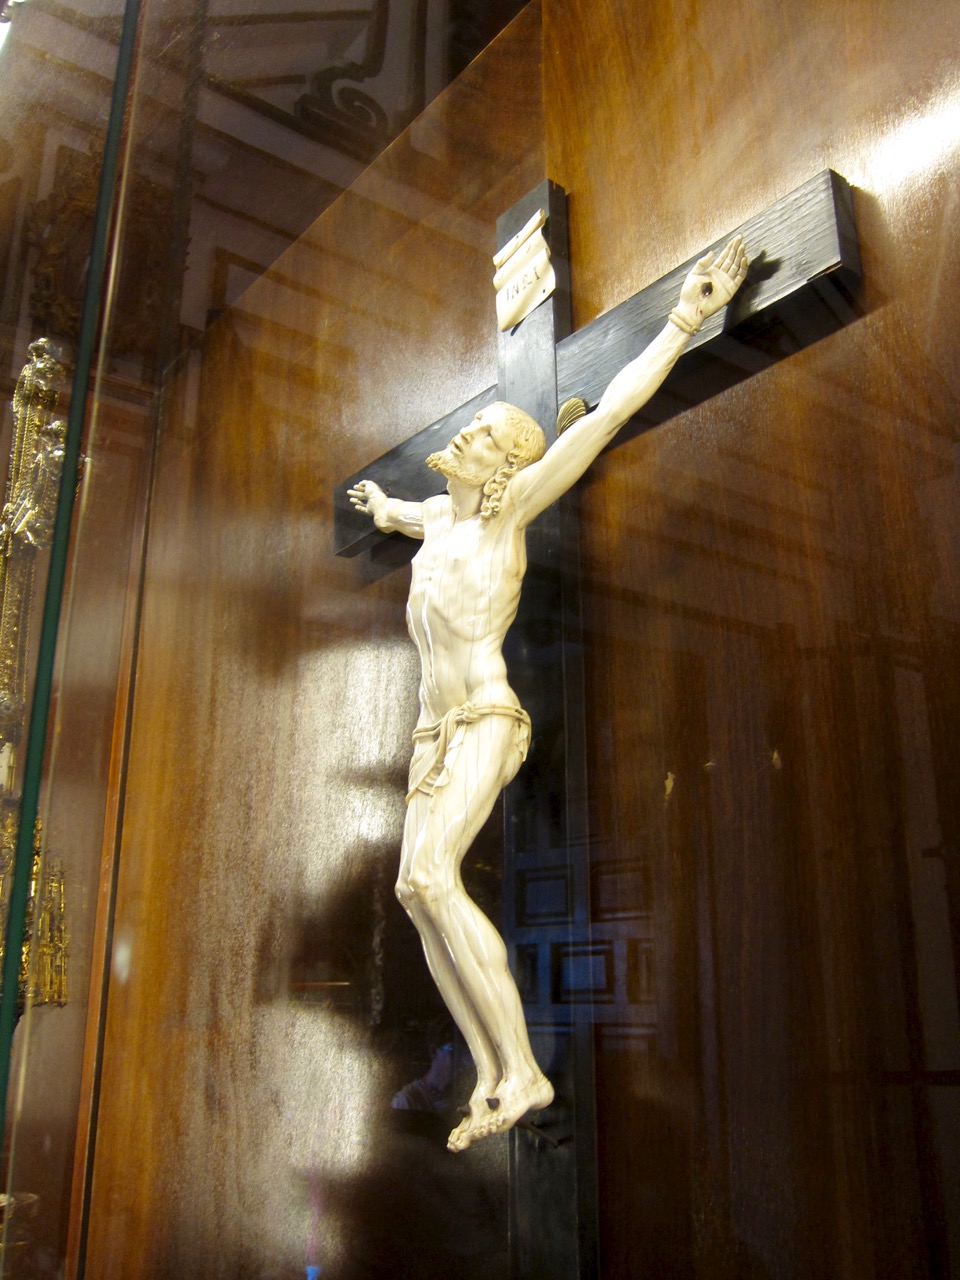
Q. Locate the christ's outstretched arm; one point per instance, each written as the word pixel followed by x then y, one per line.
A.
pixel 390 515
pixel 709 286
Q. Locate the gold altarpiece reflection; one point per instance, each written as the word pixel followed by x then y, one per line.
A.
pixel 26 527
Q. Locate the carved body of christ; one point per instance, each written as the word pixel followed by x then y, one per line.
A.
pixel 472 734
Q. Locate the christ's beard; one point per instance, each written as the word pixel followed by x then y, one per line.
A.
pixel 451 467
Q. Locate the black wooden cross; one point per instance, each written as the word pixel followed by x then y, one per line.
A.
pixel 804 262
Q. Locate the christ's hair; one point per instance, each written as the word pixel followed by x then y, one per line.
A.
pixel 529 445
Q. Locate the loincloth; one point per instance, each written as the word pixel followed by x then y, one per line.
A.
pixel 446 738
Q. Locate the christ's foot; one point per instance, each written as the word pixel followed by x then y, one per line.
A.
pixel 468 1130
pixel 462 1135
pixel 511 1102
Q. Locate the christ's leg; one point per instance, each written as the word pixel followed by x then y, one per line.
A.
pixel 470 963
pixel 441 962
pixel 445 974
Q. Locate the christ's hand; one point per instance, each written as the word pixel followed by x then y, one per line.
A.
pixel 710 285
pixel 370 499
pixel 389 515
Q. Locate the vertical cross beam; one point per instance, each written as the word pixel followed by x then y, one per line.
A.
pixel 553 1210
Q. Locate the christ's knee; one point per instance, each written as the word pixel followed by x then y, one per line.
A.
pixel 418 892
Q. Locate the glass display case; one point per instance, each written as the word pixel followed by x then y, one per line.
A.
pixel 249 262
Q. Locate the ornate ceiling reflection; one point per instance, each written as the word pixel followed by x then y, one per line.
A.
pixel 237 101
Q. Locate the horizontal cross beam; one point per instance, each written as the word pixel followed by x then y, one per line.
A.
pixel 804 261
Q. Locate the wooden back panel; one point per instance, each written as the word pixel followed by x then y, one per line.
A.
pixel 772 615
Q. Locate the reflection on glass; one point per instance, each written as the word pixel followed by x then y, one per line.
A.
pixel 431 1091
pixel 26 526
pixel 6 16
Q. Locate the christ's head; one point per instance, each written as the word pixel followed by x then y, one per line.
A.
pixel 500 441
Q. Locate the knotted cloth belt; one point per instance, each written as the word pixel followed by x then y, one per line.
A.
pixel 447 738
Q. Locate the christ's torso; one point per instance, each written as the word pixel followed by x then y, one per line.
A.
pixel 464 592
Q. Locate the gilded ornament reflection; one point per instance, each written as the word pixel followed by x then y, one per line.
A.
pixel 26 527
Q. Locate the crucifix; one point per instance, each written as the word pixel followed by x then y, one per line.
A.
pixel 500 474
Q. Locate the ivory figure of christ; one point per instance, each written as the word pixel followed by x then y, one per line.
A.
pixel 472 734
